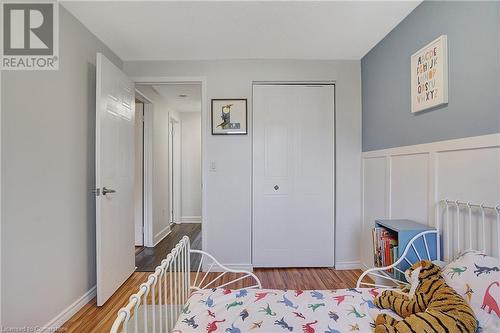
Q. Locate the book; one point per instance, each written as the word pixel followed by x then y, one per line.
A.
pixel 384 247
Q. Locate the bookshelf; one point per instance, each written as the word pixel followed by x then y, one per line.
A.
pixel 395 235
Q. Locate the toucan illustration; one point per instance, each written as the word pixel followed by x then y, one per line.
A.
pixel 226 116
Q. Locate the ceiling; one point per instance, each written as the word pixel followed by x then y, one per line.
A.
pixel 171 92
pixel 187 30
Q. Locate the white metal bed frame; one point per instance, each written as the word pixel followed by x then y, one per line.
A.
pixel 166 291
pixel 161 306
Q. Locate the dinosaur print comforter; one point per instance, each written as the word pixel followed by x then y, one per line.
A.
pixel 270 311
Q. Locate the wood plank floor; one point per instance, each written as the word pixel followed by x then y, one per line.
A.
pixel 92 319
pixel 148 258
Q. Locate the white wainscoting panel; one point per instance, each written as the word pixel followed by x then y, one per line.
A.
pixel 469 174
pixel 409 172
pixel 375 196
pixel 408 182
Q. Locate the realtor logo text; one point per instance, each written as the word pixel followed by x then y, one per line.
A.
pixel 30 36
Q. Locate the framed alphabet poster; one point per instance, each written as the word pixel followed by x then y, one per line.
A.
pixel 429 75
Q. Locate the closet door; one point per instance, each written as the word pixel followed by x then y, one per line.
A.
pixel 293 176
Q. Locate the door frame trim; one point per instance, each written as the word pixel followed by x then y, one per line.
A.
pixel 175 197
pixel 202 80
pixel 297 83
pixel 147 169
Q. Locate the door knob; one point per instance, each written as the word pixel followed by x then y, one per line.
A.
pixel 107 190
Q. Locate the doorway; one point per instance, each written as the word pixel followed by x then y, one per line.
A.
pixel 172 177
pixel 293 175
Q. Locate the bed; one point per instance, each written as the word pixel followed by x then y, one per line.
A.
pixel 176 300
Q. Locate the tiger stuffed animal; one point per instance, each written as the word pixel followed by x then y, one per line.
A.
pixel 433 308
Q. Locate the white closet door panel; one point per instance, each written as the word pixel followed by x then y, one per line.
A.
pixel 293 176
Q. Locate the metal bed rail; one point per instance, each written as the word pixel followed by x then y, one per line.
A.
pixel 159 301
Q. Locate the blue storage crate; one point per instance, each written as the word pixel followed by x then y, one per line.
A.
pixel 405 231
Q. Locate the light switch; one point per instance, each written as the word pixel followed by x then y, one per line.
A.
pixel 213 166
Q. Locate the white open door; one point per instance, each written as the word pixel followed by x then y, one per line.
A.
pixel 293 165
pixel 114 178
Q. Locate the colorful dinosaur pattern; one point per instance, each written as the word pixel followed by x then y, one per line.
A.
pixel 308 328
pixel 241 293
pixel 233 304
pixel 374 292
pixel 333 315
pixel 456 271
pixel 299 315
pixel 278 311
pixel 267 310
pixel 257 324
pixel 356 312
pixel 354 327
pixel 233 329
pixel 315 306
pixel 244 314
pixel 185 309
pixel 341 298
pixel 259 296
pixel 316 294
pixel 355 290
pixel 489 302
pixel 212 326
pixel 468 292
pixel 288 303
pixel 283 324
pixel 485 270
pixel 331 330
pixel 190 322
pixel 368 302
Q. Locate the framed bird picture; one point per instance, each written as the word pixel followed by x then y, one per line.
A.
pixel 229 116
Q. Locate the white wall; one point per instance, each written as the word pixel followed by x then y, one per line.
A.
pixel 408 182
pixel 161 183
pixel 48 173
pixel 191 166
pixel 228 206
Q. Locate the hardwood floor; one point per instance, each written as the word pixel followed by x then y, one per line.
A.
pixel 148 258
pixel 92 319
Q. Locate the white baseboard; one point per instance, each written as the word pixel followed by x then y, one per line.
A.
pixel 162 234
pixel 364 267
pixel 348 265
pixel 71 310
pixel 191 219
pixel 244 267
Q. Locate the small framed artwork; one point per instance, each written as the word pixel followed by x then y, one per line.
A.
pixel 229 116
pixel 429 75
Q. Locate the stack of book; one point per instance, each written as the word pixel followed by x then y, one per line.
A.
pixel 385 247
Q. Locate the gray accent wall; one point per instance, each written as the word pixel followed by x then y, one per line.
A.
pixel 473 30
pixel 48 209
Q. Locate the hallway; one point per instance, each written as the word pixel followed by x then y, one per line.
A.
pixel 147 258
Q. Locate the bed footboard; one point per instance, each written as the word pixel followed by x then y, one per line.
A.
pixel 159 301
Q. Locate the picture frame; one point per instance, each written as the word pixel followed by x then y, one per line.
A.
pixel 229 116
pixel 429 75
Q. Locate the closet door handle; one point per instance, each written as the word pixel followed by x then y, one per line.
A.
pixel 107 190
pixel 276 187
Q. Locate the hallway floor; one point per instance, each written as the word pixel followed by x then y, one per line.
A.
pixel 147 258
